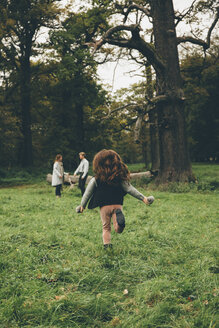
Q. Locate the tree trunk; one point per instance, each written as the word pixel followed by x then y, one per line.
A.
pixel 174 156
pixel 154 137
pixel 25 91
pixel 145 144
pixel 154 134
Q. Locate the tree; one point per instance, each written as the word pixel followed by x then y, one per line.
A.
pixel 163 56
pixel 201 79
pixel 20 23
pixel 77 94
pixel 153 123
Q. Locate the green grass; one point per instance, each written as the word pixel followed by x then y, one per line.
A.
pixel 55 273
pixel 19 177
pixel 207 174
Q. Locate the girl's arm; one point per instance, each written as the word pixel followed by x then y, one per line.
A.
pixel 88 192
pixel 129 189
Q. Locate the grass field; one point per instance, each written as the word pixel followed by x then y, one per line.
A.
pixel 162 271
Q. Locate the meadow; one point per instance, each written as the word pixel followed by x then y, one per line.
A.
pixel 161 272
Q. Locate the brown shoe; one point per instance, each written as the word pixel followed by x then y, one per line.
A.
pixel 120 218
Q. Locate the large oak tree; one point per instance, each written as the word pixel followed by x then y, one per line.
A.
pixel 162 54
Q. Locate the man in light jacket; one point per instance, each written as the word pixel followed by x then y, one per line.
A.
pixel 82 170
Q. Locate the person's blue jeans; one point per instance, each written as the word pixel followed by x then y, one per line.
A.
pixel 82 182
pixel 58 190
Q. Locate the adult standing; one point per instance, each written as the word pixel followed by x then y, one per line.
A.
pixel 82 170
pixel 58 175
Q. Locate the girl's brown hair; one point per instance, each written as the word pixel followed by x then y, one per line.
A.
pixel 109 167
pixel 58 156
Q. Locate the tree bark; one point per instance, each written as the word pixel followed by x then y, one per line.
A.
pixel 154 133
pixel 145 143
pixel 154 137
pixel 174 156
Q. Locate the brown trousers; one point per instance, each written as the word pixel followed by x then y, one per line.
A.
pixel 106 213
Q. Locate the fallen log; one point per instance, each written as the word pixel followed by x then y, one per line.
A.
pixel 140 175
pixel 74 179
pixel 68 178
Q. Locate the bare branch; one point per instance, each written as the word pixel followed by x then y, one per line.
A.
pixel 118 109
pixel 150 104
pixel 138 7
pixel 183 15
pixel 212 27
pixel 98 43
pixel 135 42
pixel 122 43
pixel 205 44
pixel 142 63
pixel 124 126
pixel 200 42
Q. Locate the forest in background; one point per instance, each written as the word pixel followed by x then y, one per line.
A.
pixel 52 100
